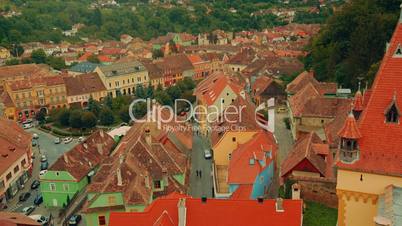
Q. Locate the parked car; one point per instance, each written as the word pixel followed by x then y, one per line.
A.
pixel 35 184
pixel 28 210
pixel 24 196
pixel 44 165
pixel 81 139
pixel 27 125
pixel 74 220
pixel 35 136
pixel 68 140
pixel 42 172
pixel 57 140
pixel 38 199
pixel 34 143
pixel 40 219
pixel 207 154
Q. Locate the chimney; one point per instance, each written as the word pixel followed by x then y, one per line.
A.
pixel 85 145
pixel 182 211
pixel 147 184
pixel 165 176
pixel 279 205
pixel 65 158
pixel 119 179
pixel 101 133
pixel 121 159
pixel 148 137
pixel 100 148
pixel 295 191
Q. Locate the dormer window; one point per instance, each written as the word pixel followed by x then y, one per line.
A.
pixel 392 113
pixel 398 51
pixel 392 116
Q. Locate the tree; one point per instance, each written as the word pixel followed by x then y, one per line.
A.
pixel 63 117
pixel 97 18
pixel 163 98
pixel 139 92
pixel 157 53
pixel 93 106
pixel 93 59
pixel 41 116
pixel 124 114
pixel 88 119
pixel 57 63
pixel 17 50
pixel 75 119
pixel 38 56
pixel 12 61
pixel 106 116
pixel 108 101
pixel 174 92
pixel 150 91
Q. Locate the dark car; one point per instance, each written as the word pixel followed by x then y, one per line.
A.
pixel 34 143
pixel 38 199
pixel 35 184
pixel 24 196
pixel 44 165
pixel 74 220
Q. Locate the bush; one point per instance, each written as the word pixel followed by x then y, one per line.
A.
pixel 106 117
pixel 88 119
pixel 75 119
pixel 60 132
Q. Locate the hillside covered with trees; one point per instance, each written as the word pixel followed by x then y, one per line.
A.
pixel 352 43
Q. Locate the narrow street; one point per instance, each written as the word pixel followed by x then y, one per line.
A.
pixel 200 186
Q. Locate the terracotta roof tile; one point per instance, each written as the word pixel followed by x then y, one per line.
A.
pixel 350 129
pixel 83 84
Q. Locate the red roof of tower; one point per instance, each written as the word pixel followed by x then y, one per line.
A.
pixel 350 129
pixel 358 102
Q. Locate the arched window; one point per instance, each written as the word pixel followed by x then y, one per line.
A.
pixel 392 116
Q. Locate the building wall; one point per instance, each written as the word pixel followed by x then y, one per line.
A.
pixel 98 96
pixel 358 195
pixel 125 84
pixel 226 145
pixel 64 185
pixel 15 175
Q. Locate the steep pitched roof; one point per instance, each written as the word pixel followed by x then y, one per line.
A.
pixel 198 213
pixel 250 159
pixel 380 143
pixel 85 156
pixel 304 79
pixel 83 84
pixel 14 143
pixel 350 129
pixel 306 148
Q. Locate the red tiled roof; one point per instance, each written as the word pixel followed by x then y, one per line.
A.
pixel 17 219
pixel 380 144
pixel 304 79
pixel 210 88
pixel 240 170
pixel 358 102
pixel 218 212
pixel 303 149
pixel 83 84
pixel 85 156
pixel 350 129
pixel 195 59
pixel 14 143
pixel 243 192
pixel 260 84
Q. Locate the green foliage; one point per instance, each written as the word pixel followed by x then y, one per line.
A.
pixel 124 114
pixel 38 56
pixel 93 106
pixel 56 62
pixel 88 119
pixel 63 117
pixel 75 119
pixel 140 92
pixel 106 116
pixel 41 116
pixel 93 59
pixel 12 61
pixel 317 214
pixel 353 40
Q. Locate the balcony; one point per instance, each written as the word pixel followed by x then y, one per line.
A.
pixel 349 156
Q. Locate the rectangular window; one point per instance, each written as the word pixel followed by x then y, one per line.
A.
pixel 157 184
pixel 23 162
pixel 112 200
pixel 110 85
pixel 234 139
pixel 102 220
pixel 52 186
pixel 66 187
pixel 8 177
pixel 16 169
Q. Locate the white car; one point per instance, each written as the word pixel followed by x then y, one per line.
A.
pixel 28 210
pixel 67 140
pixel 42 172
pixel 35 136
pixel 27 125
pixel 81 139
pixel 40 219
pixel 207 154
pixel 57 140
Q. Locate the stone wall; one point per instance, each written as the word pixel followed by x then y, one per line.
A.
pixel 321 190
